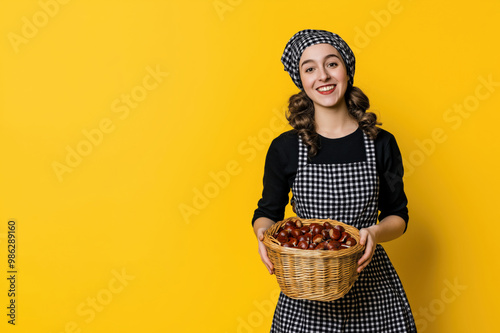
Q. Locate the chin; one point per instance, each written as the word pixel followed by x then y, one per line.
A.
pixel 329 104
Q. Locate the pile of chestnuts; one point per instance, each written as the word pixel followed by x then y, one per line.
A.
pixel 314 236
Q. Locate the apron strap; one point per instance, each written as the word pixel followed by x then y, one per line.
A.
pixel 302 153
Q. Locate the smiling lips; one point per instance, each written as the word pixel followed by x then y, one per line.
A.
pixel 328 89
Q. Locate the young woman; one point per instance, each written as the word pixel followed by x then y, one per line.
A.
pixel 339 165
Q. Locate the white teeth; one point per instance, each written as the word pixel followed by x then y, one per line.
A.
pixel 326 88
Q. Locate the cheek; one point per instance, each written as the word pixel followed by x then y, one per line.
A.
pixel 304 80
pixel 339 74
pixel 343 76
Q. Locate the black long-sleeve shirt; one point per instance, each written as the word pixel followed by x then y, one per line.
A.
pixel 282 162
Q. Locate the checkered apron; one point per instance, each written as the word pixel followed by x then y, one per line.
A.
pixel 377 302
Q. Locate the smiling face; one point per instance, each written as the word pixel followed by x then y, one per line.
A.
pixel 323 75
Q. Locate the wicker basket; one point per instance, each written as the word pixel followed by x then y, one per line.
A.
pixel 314 274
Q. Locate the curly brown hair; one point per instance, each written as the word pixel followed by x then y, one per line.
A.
pixel 300 116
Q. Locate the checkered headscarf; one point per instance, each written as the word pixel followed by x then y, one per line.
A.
pixel 305 38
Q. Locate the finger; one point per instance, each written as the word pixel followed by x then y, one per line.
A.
pixel 364 258
pixel 268 263
pixel 362 237
pixel 265 259
pixel 367 255
pixel 365 263
pixel 270 267
pixel 360 268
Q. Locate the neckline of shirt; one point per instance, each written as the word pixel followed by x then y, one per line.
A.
pixel 358 129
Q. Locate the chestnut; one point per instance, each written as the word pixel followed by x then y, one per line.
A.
pixel 325 233
pixel 350 241
pixel 334 245
pixel 344 237
pixel 317 238
pixel 305 229
pixel 282 239
pixel 302 238
pixel 290 224
pixel 298 223
pixel 303 245
pixel 327 225
pixel 320 246
pixel 295 233
pixel 334 234
pixel 312 246
pixel 312 225
pixel 316 229
pixel 284 233
pixel 339 228
pixel 289 244
pixel 308 237
pixel 293 241
pixel 289 228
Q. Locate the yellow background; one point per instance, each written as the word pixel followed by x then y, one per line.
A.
pixel 165 196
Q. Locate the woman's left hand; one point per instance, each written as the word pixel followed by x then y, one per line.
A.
pixel 367 238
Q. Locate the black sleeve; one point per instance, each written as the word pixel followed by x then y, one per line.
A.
pixel 276 183
pixel 392 197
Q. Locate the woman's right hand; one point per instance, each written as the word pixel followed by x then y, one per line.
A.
pixel 260 226
pixel 263 251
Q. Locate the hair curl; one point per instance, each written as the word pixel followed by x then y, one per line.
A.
pixel 300 116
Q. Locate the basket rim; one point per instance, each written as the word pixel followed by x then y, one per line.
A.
pixel 270 241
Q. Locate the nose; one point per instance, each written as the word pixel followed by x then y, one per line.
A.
pixel 323 74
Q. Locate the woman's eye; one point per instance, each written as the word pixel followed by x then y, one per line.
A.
pixel 308 70
pixel 332 64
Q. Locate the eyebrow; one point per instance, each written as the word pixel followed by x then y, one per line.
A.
pixel 328 56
